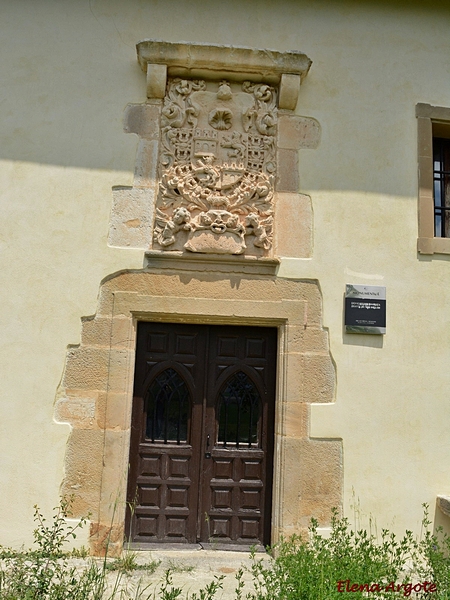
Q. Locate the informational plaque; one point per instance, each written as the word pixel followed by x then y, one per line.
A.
pixel 365 309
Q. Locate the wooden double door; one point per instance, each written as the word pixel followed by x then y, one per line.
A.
pixel 201 452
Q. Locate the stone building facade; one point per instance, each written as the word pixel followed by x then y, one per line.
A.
pixel 177 356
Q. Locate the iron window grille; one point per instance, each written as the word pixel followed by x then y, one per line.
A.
pixel 441 186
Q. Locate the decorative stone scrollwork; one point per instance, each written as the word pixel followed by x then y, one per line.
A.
pixel 224 92
pixel 217 168
pixel 262 116
pixel 261 229
pixel 166 229
pixel 179 108
pixel 235 145
pixel 220 118
pixel 217 231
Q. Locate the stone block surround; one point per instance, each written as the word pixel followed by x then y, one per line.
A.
pixel 96 393
pixel 214 204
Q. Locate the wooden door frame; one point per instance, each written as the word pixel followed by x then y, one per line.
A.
pixel 102 368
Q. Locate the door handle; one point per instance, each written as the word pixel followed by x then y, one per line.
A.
pixel 207 453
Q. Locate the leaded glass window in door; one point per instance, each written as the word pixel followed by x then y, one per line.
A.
pixel 239 412
pixel 167 406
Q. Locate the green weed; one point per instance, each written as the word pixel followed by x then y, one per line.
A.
pixel 44 572
pixel 300 568
pixel 176 566
pixel 311 568
pixel 127 563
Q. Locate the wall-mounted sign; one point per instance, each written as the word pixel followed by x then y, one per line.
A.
pixel 365 309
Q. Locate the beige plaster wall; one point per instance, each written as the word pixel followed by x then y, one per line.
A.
pixel 69 69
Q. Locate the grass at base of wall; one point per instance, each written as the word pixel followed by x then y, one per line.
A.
pixel 357 563
pixel 300 568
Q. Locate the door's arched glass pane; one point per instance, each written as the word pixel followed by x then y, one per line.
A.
pixel 239 410
pixel 167 406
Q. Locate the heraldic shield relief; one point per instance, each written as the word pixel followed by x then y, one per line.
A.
pixel 217 168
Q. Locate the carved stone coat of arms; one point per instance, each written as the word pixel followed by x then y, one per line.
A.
pixel 216 168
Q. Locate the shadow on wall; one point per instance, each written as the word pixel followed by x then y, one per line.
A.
pixel 68 85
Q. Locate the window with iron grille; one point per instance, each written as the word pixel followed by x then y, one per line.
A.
pixel 167 409
pixel 239 412
pixel 433 145
pixel 441 186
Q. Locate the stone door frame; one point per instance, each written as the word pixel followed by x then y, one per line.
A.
pixel 95 396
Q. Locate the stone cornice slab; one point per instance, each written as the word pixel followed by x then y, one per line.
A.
pixel 222 62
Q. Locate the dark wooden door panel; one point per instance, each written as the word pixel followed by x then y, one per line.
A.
pixel 201 452
pixel 236 490
pixel 235 497
pixel 163 480
pixel 166 499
